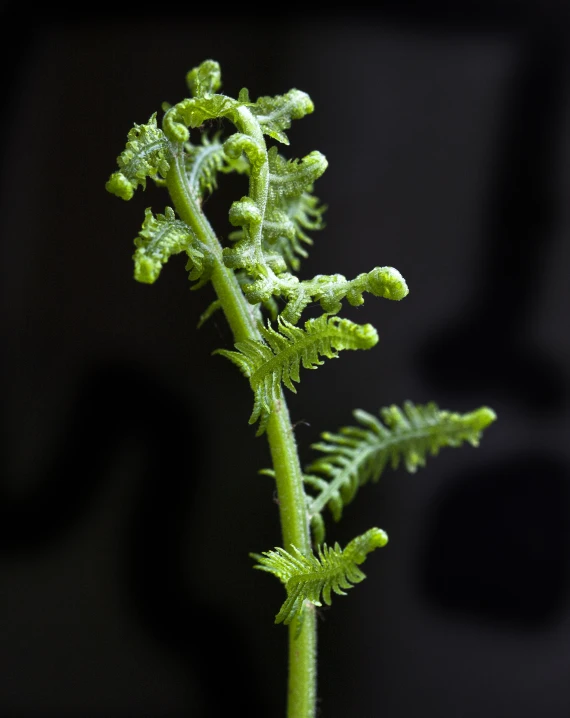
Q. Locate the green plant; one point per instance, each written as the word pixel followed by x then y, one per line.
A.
pixel 253 274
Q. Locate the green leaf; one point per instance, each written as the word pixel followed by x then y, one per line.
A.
pixel 359 454
pixel 279 358
pixel 147 154
pixel 205 161
pixel 275 114
pixel 314 577
pixel 290 178
pixel 204 79
pixel 194 111
pixel 161 237
pixel 330 290
pixel 284 226
pixel 289 208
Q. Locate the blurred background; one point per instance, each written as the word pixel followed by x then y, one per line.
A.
pixel 130 498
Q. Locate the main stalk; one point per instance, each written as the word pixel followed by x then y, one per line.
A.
pixel 302 678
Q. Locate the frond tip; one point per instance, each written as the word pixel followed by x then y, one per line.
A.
pixel 163 236
pixel 147 154
pixel 358 454
pixel 308 578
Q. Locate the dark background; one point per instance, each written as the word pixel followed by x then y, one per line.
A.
pixel 130 497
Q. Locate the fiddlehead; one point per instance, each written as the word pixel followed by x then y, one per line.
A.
pixel 330 290
pixel 274 114
pixel 290 183
pixel 204 79
pixel 147 154
pixel 358 454
pixel 279 208
pixel 278 360
pixel 291 209
pixel 313 577
pixel 162 236
pixel 285 230
pixel 252 120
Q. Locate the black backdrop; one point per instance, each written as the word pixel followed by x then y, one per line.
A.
pixel 130 497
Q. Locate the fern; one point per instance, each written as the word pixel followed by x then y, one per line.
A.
pixel 270 217
pixel 301 213
pixel 279 359
pixel 310 578
pixel 205 79
pixel 330 290
pixel 163 236
pixel 275 217
pixel 205 161
pixel 147 154
pixel 358 454
pixel 274 114
pixel 290 210
pixel 252 274
pixel 290 178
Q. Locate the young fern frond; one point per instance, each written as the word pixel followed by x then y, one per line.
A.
pixel 313 577
pixel 261 227
pixel 147 154
pixel 205 161
pixel 303 213
pixel 268 116
pixel 283 230
pixel 330 290
pixel 271 114
pixel 162 236
pixel 268 365
pixel 267 244
pixel 269 305
pixel 290 210
pixel 205 79
pixel 358 454
pixel 288 179
pixel 274 114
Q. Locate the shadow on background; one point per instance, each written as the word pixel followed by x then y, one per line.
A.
pixel 486 348
pixel 117 405
pixel 508 562
pixel 497 548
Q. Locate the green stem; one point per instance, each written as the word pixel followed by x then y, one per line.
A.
pixel 238 311
pixel 301 701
